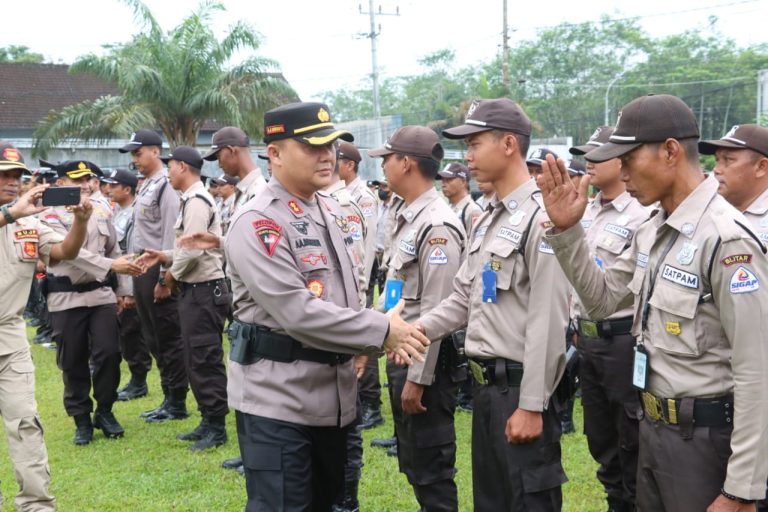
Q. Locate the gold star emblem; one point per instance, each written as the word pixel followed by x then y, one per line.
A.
pixel 323 115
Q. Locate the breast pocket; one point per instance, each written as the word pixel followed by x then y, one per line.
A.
pixel 149 208
pixel 502 260
pixel 405 268
pixel 612 244
pixel 672 321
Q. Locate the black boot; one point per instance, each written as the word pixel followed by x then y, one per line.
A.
pixel 392 452
pixel 136 388
pixel 175 408
pixel 371 416
pixel 566 418
pixel 619 505
pixel 108 424
pixel 152 412
pixel 232 463
pixel 348 501
pixel 215 435
pixel 387 442
pixel 196 434
pixel 83 429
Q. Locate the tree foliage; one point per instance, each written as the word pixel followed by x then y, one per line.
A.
pixel 175 80
pixel 18 53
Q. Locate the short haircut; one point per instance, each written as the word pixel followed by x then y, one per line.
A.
pixel 428 167
pixel 523 141
pixel 690 147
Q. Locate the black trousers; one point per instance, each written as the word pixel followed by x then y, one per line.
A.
pixel 161 331
pixel 134 350
pixel 426 443
pixel 513 477
pixel 202 311
pixel 86 335
pixel 353 467
pixel 369 385
pixel 680 475
pixel 611 411
pixel 290 467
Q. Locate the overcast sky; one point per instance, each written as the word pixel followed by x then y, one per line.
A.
pixel 317 42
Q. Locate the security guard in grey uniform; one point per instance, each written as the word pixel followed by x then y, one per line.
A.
pixel 512 296
pixel 693 272
pixel 121 187
pixel 23 241
pixel 204 299
pixel 742 173
pixel 298 321
pixel 611 405
pixel 156 210
pixel 428 244
pixel 82 302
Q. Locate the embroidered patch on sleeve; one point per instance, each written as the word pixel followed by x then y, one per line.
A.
pixel 268 232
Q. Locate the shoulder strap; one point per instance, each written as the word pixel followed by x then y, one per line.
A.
pixel 463 213
pixel 524 241
pixel 207 201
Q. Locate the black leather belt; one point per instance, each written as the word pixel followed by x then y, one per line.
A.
pixel 707 412
pixel 213 282
pixel 605 328
pixel 485 372
pixel 251 342
pixel 57 284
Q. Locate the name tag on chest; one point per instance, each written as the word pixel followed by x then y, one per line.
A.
pixel 510 235
pixel 680 277
pixel 618 230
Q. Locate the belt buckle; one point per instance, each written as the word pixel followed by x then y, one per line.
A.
pixel 588 328
pixel 652 407
pixel 478 372
pixel 672 409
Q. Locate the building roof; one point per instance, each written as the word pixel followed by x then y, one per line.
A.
pixel 28 92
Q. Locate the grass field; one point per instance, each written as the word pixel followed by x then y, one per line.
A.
pixel 149 470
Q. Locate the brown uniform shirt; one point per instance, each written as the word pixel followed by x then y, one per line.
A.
pixel 468 212
pixel 93 262
pixel 706 310
pixel 427 250
pixel 22 243
pixel 529 319
pixel 610 228
pixel 357 230
pixel 291 271
pixel 198 214
pixel 757 215
pixel 369 204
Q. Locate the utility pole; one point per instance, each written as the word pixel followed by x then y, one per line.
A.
pixel 372 35
pixel 505 51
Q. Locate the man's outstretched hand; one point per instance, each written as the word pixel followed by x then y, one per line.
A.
pixel 405 341
pixel 565 203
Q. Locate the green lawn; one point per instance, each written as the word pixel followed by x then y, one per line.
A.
pixel 149 470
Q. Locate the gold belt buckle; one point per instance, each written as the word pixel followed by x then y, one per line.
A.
pixel 651 406
pixel 672 408
pixel 477 373
pixel 588 328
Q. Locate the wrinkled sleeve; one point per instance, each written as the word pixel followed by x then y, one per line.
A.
pixel 197 217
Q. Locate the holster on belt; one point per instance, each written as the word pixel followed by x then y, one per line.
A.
pixel 456 359
pixel 569 382
pixel 239 343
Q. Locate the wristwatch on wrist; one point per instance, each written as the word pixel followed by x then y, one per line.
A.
pixel 7 214
pixel 161 279
pixel 735 498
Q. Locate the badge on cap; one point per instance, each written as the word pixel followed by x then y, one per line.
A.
pixel 323 115
pixel 685 256
pixel 687 229
pixel 11 155
pixel 516 218
pixel 472 108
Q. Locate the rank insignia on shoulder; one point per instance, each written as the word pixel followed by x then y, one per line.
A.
pixel 269 235
pixel 438 240
pixel 295 207
pixel 736 258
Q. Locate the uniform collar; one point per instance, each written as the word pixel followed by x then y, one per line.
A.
pixel 619 203
pixel 339 185
pixel 464 200
pixel 688 213
pixel 517 197
pixel 194 189
pixel 288 201
pixel 412 211
pixel 760 205
pixel 162 173
pixel 249 179
pixel 355 183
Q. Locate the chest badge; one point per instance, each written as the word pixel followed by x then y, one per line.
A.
pixel 685 256
pixel 516 218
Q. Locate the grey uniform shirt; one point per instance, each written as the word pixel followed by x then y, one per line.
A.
pixel 123 222
pixel 610 228
pixel 198 214
pixel 529 319
pixel 369 204
pixel 699 272
pixel 427 250
pixel 155 212
pixel 468 212
pixel 93 262
pixel 292 272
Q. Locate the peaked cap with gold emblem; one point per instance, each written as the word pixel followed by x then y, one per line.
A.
pixel 306 122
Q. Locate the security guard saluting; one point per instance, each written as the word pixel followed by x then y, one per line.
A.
pixel 82 302
pixel 298 321
pixel 426 255
pixel 204 299
pixel 611 405
pixel 156 210
pixel 511 296
pixel 23 241
pixel 693 272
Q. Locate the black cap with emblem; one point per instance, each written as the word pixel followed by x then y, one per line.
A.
pixel 227 136
pixel 412 140
pixel 11 158
pixel 538 156
pixel 121 177
pixel 306 122
pixel 741 136
pixel 74 169
pixel 141 138
pixel 597 139
pixel 186 154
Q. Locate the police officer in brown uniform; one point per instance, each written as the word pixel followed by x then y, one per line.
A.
pixel 23 241
pixel 121 187
pixel 298 321
pixel 428 244
pixel 611 405
pixel 512 297
pixel 231 147
pixel 204 298
pixel 742 174
pixel 693 272
pixel 82 302
pixel 455 184
pixel 156 210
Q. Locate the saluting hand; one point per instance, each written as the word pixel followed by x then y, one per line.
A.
pixel 200 241
pixel 723 504
pixel 404 339
pixel 564 203
pixel 524 426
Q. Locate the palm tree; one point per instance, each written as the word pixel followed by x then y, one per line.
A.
pixel 175 81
